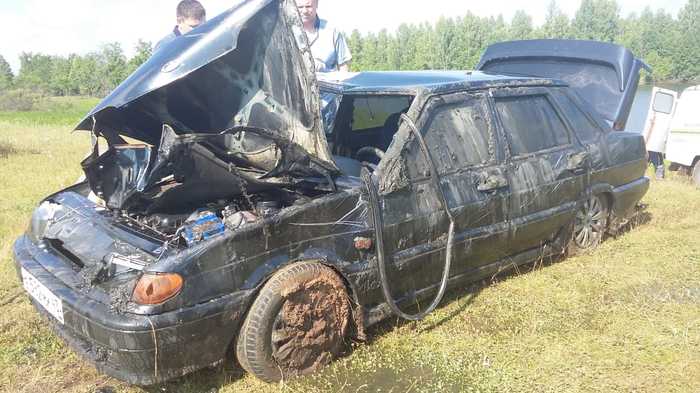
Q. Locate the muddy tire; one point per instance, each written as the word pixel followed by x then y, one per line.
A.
pixel 590 225
pixel 696 174
pixel 298 323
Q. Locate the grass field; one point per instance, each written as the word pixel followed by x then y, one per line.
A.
pixel 623 318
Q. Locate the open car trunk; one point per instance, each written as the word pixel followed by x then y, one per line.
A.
pixel 229 108
pixel 605 75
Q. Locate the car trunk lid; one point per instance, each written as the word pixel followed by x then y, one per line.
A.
pixel 604 74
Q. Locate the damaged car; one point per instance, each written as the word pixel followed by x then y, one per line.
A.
pixel 230 207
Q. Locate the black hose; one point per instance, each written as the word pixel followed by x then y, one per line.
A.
pixel 378 224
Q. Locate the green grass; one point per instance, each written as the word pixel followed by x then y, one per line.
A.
pixel 623 318
pixel 54 111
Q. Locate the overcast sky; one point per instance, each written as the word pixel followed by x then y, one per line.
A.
pixel 80 26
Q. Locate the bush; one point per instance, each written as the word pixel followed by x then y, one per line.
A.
pixel 18 100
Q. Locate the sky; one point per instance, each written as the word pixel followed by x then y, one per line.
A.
pixel 61 27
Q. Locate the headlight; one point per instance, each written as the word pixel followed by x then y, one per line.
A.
pixel 41 219
pixel 155 289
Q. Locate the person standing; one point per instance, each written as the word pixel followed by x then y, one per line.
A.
pixel 328 45
pixel 656 138
pixel 190 14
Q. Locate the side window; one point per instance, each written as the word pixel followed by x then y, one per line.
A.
pixel 457 133
pixel 583 126
pixel 531 124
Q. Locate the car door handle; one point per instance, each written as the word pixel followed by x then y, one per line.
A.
pixel 491 182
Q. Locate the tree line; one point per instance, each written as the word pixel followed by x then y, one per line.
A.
pixel 93 74
pixel 669 44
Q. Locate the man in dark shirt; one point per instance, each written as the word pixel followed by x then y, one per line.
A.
pixel 190 14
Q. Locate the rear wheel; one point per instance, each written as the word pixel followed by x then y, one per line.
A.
pixel 590 224
pixel 297 325
pixel 696 174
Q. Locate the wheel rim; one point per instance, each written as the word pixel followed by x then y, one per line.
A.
pixel 310 329
pixel 590 223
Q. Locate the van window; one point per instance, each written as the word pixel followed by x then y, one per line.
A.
pixel 663 102
pixel 458 135
pixel 586 130
pixel 531 124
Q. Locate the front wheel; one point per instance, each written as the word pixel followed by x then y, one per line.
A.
pixel 297 324
pixel 590 224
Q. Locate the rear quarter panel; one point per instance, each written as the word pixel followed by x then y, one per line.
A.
pixel 626 159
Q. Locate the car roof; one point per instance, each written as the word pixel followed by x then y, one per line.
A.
pixel 410 82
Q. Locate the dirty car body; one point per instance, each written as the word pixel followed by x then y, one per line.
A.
pixel 242 171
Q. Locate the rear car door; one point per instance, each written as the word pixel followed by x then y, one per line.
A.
pixel 460 138
pixel 548 168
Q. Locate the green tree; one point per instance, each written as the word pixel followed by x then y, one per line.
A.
pixel 556 23
pixel 597 20
pixel 425 47
pixel 35 72
pixel 6 76
pixel 687 51
pixel 446 49
pixel 112 66
pixel 144 50
pixel 651 37
pixel 86 74
pixel 355 44
pixel 521 26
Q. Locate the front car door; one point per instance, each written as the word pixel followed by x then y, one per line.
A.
pixel 460 138
pixel 548 168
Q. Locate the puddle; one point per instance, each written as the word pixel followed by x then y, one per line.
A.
pixel 392 376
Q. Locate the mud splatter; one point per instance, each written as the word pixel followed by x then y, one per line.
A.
pixel 311 328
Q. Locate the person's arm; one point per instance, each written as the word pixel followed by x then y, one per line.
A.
pixel 344 67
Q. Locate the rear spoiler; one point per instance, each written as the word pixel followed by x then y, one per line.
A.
pixel 604 74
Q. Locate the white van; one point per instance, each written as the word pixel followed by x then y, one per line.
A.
pixel 673 128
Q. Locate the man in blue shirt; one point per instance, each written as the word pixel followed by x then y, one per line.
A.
pixel 190 14
pixel 328 46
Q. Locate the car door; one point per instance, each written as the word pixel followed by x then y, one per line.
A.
pixel 659 117
pixel 460 140
pixel 548 168
pixel 592 133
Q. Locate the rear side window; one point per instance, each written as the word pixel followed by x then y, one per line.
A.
pixel 531 124
pixel 586 130
pixel 458 135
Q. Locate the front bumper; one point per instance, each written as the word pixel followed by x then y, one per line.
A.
pixel 138 349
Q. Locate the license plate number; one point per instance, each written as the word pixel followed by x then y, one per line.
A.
pixel 43 295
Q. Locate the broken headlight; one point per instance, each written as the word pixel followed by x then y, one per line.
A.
pixel 41 220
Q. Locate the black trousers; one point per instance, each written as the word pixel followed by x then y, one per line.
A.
pixel 656 158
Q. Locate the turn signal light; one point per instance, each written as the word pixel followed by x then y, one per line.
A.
pixel 157 288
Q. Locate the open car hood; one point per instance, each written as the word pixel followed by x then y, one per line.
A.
pixel 605 75
pixel 249 66
pixel 229 109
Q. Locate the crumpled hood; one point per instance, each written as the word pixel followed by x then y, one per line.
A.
pixel 248 67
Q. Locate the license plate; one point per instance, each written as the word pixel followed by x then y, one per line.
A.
pixel 43 295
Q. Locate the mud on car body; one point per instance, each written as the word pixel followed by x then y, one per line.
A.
pixel 254 214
